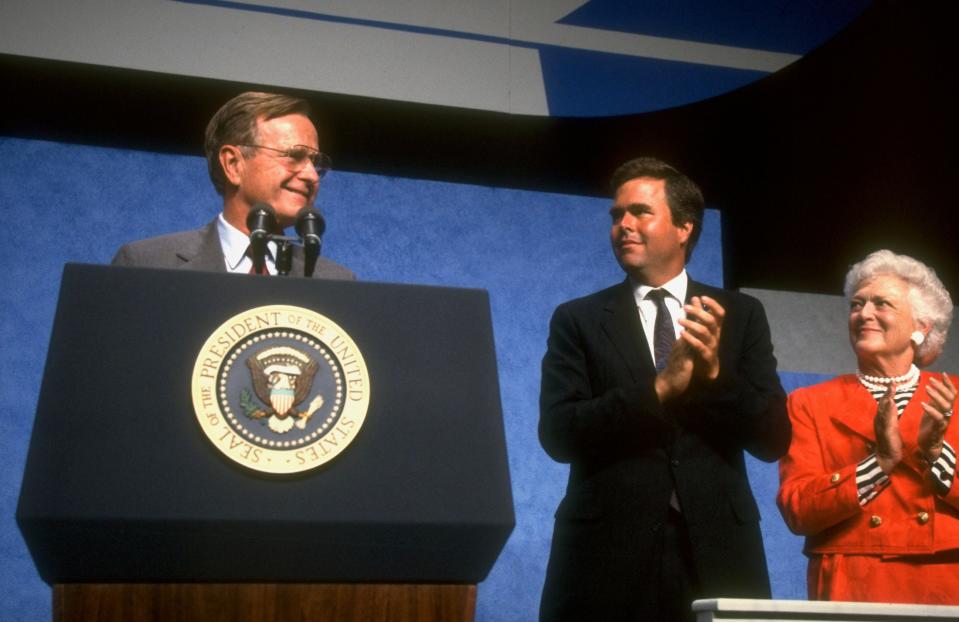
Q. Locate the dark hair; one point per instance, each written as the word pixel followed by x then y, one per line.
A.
pixel 683 196
pixel 235 124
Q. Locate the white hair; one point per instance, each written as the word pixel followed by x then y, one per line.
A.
pixel 931 303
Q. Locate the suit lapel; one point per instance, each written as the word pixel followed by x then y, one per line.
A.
pixel 207 253
pixel 912 413
pixel 623 328
pixel 299 261
pixel 694 288
pixel 856 409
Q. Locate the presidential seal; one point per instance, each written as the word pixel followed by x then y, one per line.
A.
pixel 280 389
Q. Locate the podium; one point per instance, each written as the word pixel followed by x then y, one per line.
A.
pixel 129 508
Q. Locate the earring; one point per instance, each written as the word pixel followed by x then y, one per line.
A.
pixel 917 338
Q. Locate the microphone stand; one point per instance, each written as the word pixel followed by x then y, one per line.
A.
pixel 309 228
pixel 260 220
pixel 310 253
pixel 284 252
pixel 284 257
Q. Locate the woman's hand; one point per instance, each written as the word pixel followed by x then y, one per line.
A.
pixel 886 425
pixel 935 417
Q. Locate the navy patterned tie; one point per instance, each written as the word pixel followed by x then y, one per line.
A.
pixel 663 334
pixel 663 339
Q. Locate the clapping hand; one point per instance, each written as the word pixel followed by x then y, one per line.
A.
pixel 703 326
pixel 675 377
pixel 886 425
pixel 697 349
pixel 935 417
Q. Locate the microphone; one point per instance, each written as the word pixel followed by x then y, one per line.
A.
pixel 261 221
pixel 310 226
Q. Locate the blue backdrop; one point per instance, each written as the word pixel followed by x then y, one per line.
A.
pixel 530 250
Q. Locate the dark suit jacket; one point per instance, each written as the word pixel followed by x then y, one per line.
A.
pixel 599 412
pixel 200 249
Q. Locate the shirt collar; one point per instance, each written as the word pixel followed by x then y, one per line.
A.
pixel 234 243
pixel 675 287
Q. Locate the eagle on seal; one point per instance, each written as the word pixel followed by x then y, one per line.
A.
pixel 282 379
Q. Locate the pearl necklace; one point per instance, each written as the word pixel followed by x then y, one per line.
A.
pixel 904 381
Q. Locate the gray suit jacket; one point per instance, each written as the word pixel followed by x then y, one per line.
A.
pixel 200 249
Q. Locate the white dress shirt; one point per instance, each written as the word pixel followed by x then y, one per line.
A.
pixel 676 290
pixel 234 243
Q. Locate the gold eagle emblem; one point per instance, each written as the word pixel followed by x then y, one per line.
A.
pixel 282 379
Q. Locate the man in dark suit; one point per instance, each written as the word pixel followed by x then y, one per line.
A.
pixel 651 391
pixel 260 148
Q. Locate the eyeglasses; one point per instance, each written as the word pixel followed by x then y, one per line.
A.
pixel 299 155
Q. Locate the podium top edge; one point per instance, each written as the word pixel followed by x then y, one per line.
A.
pixel 71 266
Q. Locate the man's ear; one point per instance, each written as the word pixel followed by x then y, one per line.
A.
pixel 685 230
pixel 231 161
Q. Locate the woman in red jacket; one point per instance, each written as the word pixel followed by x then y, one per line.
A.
pixel 869 475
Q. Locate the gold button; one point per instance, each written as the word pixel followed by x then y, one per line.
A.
pixel 834 478
pixel 923 517
pixel 875 521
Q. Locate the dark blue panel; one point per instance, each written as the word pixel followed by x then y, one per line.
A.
pixel 584 83
pixel 794 26
pixel 793 380
pixel 787 565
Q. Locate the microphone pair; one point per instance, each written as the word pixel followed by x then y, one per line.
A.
pixel 262 223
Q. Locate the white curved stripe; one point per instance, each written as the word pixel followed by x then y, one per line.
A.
pixel 534 21
pixel 452 68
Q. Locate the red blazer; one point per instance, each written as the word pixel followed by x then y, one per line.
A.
pixel 832 426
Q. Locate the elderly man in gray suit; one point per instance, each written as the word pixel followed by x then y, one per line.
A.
pixel 260 148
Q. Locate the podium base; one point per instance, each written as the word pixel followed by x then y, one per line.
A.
pixel 262 602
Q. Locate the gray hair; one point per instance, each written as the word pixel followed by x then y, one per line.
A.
pixel 930 301
pixel 235 123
